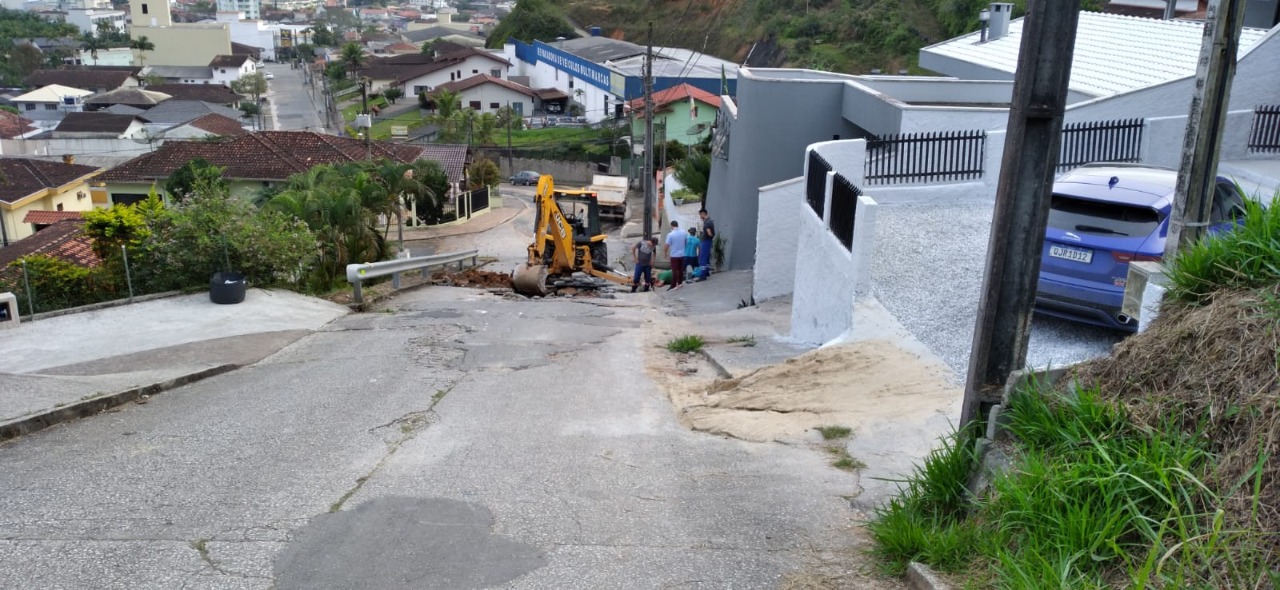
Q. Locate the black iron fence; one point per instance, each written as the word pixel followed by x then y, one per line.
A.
pixel 926 157
pixel 1119 140
pixel 460 208
pixel 1264 136
pixel 815 187
pixel 844 208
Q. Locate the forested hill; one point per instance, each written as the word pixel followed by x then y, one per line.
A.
pixel 849 36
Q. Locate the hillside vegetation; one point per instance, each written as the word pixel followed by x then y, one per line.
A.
pixel 848 36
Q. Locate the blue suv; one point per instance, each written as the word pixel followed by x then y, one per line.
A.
pixel 1101 218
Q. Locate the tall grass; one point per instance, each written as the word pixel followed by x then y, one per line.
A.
pixel 1245 258
pixel 1090 502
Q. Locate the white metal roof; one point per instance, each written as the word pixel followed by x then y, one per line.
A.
pixel 1113 53
pixel 51 93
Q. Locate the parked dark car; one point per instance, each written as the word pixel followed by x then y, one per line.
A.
pixel 1101 218
pixel 527 178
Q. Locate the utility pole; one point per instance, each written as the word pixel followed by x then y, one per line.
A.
pixel 368 131
pixel 1033 138
pixel 1193 197
pixel 648 136
pixel 510 115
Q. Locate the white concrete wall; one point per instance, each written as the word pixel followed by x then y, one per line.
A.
pixel 56 147
pixel 488 94
pixel 543 75
pixel 1163 136
pixel 925 119
pixel 782 206
pixel 822 302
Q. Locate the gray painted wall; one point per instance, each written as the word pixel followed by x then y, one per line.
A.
pixel 777 119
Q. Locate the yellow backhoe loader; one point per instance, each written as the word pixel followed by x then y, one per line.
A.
pixel 567 239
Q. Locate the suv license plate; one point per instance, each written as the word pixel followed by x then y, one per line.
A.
pixel 1074 254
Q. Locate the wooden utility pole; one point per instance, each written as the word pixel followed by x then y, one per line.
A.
pixel 1197 174
pixel 368 131
pixel 1032 141
pixel 510 115
pixel 649 187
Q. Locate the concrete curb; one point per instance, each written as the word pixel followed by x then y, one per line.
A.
pixel 81 409
pixel 920 577
pixel 44 315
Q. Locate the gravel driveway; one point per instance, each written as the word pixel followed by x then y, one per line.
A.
pixel 927 271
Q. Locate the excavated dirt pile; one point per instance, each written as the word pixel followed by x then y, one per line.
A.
pixel 1216 368
pixel 481 279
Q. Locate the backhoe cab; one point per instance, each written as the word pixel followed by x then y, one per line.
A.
pixel 567 239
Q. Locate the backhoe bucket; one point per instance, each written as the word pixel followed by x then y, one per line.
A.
pixel 530 279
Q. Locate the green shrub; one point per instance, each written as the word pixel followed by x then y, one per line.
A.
pixel 1246 258
pixel 58 284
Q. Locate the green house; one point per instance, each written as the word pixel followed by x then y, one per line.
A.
pixel 686 112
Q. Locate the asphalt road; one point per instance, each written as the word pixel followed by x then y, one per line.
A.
pixel 449 439
pixel 292 106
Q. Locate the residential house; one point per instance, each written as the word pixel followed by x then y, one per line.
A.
pixel 135 97
pixel 207 126
pixel 487 94
pixel 685 112
pixel 210 93
pixel 63 239
pixel 172 113
pixel 229 68
pixel 418 73
pixel 601 74
pixel 14 126
pixel 50 103
pixel 38 185
pixel 95 80
pixel 261 160
pixel 99 125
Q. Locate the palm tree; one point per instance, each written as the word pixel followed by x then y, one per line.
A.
pixel 486 129
pixel 142 44
pixel 352 57
pixel 91 43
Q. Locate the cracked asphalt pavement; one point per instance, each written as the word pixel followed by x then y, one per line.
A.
pixel 449 438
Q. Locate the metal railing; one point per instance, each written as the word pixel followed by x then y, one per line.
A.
pixel 1119 140
pixel 1264 135
pixel 358 273
pixel 844 208
pixel 926 157
pixel 815 187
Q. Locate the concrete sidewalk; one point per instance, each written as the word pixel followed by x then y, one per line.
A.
pixel 78 364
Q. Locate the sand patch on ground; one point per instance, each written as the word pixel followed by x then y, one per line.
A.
pixel 856 385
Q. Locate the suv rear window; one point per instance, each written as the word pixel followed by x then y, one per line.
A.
pixel 1097 217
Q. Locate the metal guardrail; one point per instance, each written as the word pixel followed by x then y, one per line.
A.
pixel 357 273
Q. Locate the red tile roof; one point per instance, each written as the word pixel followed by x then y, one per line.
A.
pixel 265 155
pixel 24 177
pixel 12 125
pixel 218 125
pixel 480 79
pixel 65 239
pixel 676 94
pixel 49 217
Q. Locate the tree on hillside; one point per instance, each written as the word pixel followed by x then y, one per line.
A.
pixel 142 44
pixel 91 43
pixel 485 129
pixel 195 173
pixel 352 57
pixel 530 20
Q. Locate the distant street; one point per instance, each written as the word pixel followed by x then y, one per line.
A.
pixel 290 104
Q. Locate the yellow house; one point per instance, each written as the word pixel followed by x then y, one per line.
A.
pixel 180 44
pixel 39 185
